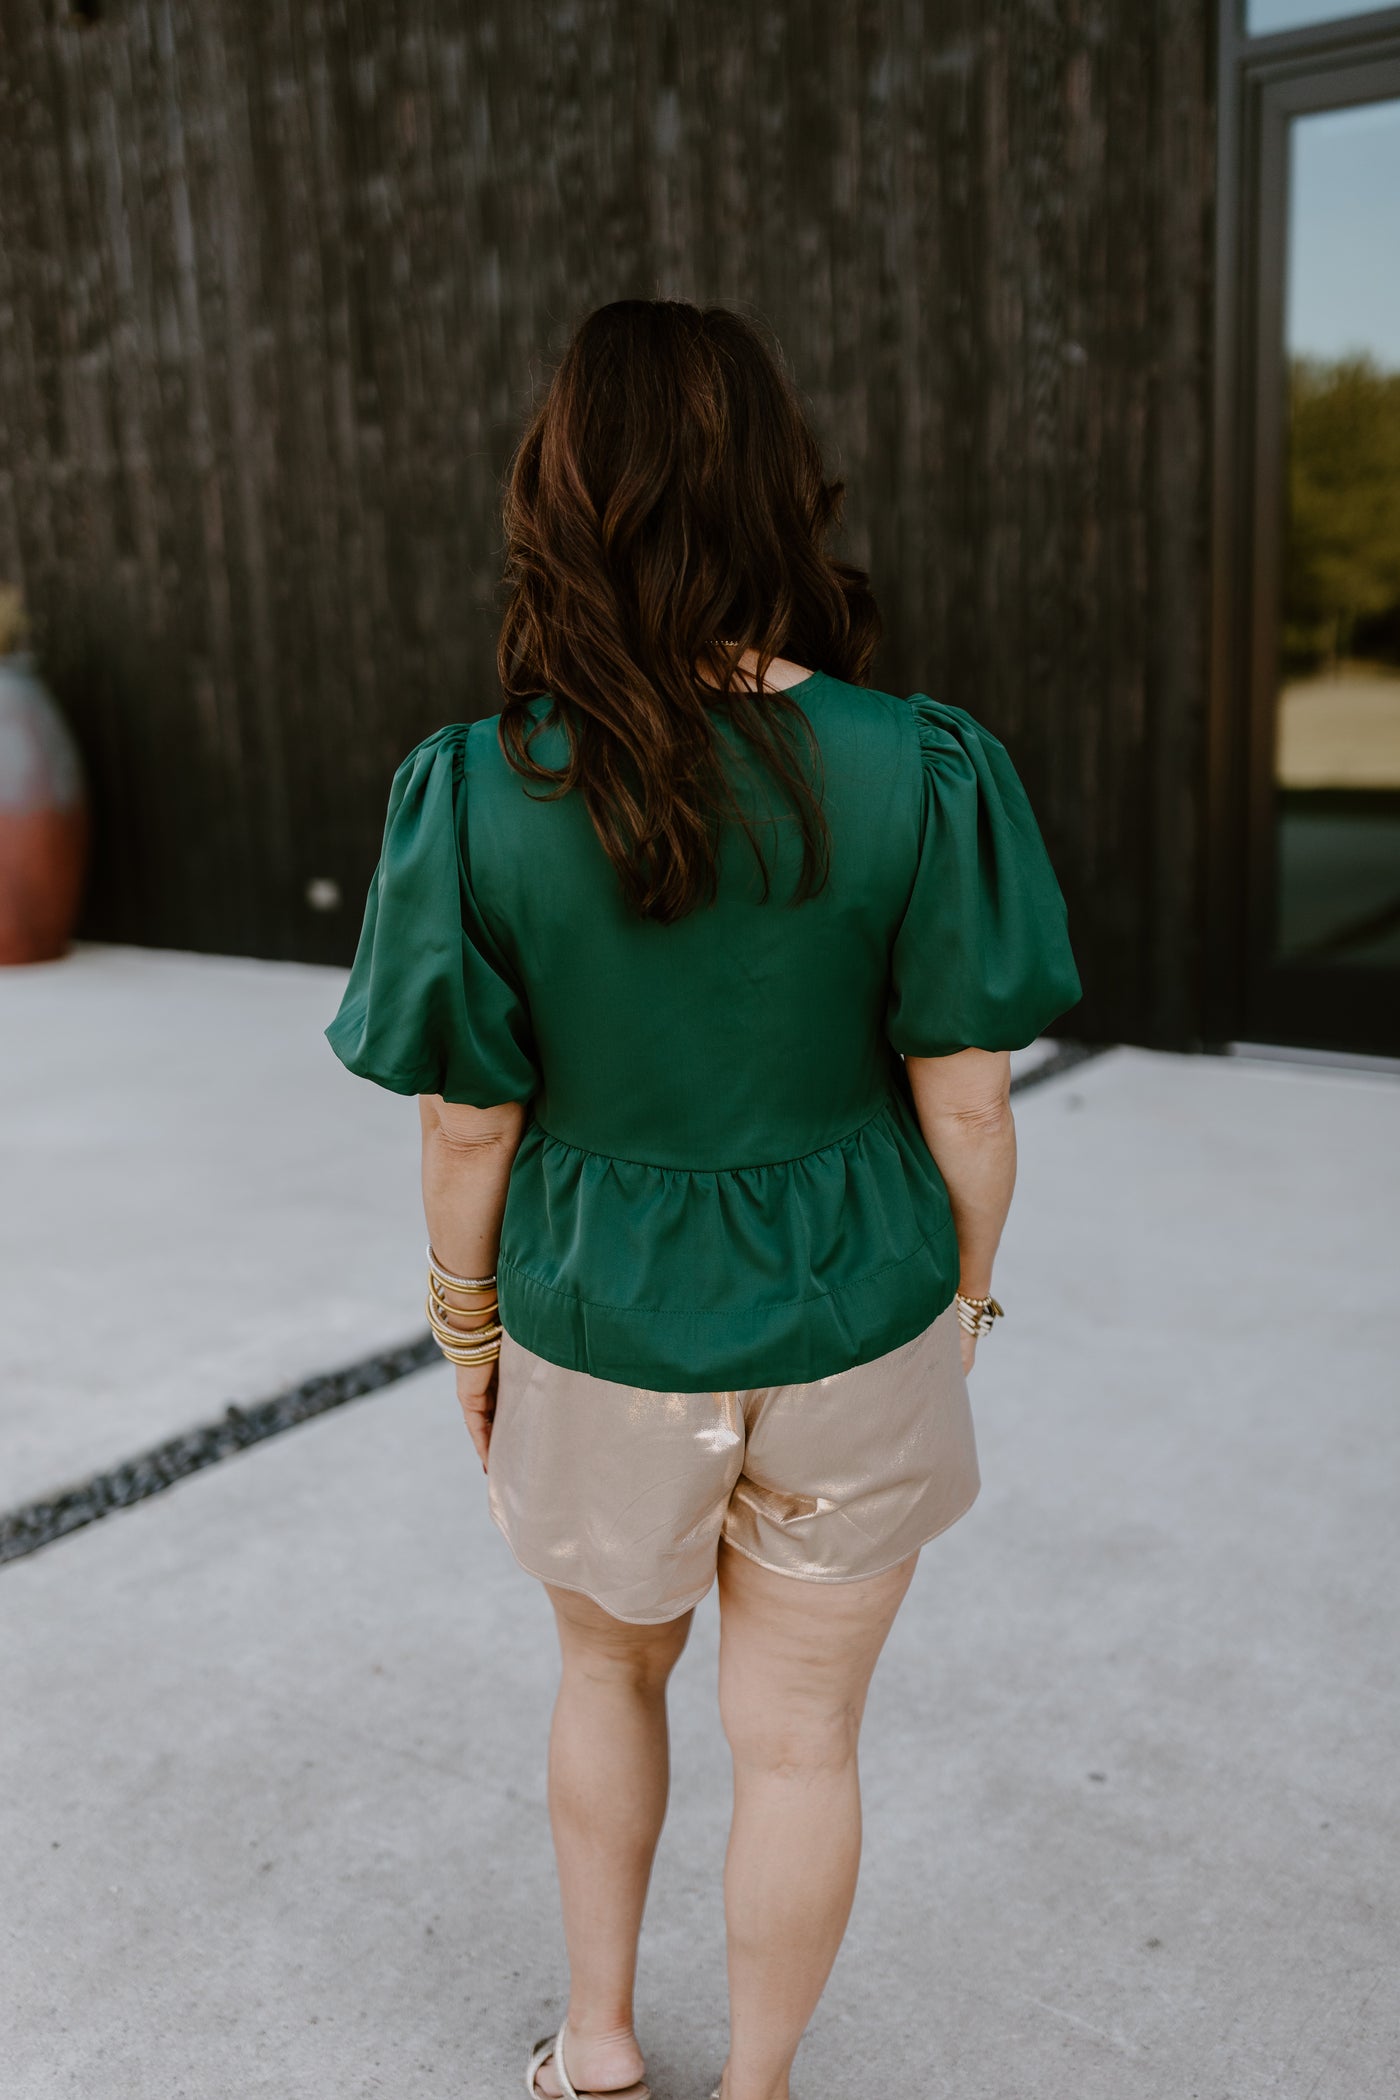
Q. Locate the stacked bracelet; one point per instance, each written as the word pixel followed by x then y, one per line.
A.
pixel 480 1344
pixel 975 1315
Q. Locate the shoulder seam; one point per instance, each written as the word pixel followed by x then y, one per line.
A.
pixel 437 739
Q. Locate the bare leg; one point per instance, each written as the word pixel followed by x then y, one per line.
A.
pixel 609 1768
pixel 796 1660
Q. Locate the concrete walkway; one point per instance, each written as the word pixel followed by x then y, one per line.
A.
pixel 271 1808
pixel 200 1204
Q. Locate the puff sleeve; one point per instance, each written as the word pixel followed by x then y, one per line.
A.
pixel 981 958
pixel 432 1005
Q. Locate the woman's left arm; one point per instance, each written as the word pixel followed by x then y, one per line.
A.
pixel 467 1156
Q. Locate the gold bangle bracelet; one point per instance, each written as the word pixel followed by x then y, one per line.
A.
pixel 452 1339
pixel 459 1339
pixel 480 1344
pixel 462 1311
pixel 485 1289
pixel 467 1341
pixel 475 1340
pixel 438 1313
pixel 471 1356
pixel 442 1289
pixel 480 1305
pixel 482 1333
pixel 463 1283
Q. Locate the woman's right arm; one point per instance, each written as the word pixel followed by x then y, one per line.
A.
pixel 964 1110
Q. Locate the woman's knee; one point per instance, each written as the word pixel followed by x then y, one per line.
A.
pixel 602 1648
pixel 784 1737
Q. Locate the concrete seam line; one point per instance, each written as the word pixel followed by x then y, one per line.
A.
pixel 34 1524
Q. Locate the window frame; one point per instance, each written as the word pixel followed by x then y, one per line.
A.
pixel 1263 84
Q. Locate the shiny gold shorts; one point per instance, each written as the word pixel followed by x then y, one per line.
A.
pixel 625 1494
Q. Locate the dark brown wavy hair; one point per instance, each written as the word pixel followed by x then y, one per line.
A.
pixel 667 509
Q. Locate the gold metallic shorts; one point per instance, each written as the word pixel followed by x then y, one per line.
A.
pixel 625 1494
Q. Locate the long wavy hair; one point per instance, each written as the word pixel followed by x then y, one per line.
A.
pixel 667 509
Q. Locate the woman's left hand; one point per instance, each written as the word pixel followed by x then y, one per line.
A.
pixel 476 1392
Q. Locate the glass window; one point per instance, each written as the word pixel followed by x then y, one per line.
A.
pixel 1337 754
pixel 1266 17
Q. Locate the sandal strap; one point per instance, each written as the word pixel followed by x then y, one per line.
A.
pixel 553 2045
pixel 550 2045
pixel 560 2072
pixel 539 2057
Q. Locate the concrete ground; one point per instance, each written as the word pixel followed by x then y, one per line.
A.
pixel 200 1203
pixel 271 1809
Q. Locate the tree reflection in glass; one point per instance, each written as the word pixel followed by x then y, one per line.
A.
pixel 1338 741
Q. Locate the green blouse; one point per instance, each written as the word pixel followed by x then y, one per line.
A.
pixel 722 1182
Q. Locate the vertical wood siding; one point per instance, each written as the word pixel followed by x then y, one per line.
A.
pixel 277 284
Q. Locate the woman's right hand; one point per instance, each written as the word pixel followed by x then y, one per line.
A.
pixel 476 1395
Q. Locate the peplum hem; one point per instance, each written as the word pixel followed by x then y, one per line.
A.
pixel 705 1280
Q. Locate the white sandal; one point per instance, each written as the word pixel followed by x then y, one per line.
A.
pixel 553 2045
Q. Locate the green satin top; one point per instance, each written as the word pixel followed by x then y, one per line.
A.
pixel 722 1182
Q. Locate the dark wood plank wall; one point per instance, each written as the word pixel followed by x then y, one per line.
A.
pixel 277 282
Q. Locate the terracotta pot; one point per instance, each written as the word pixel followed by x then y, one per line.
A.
pixel 43 819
